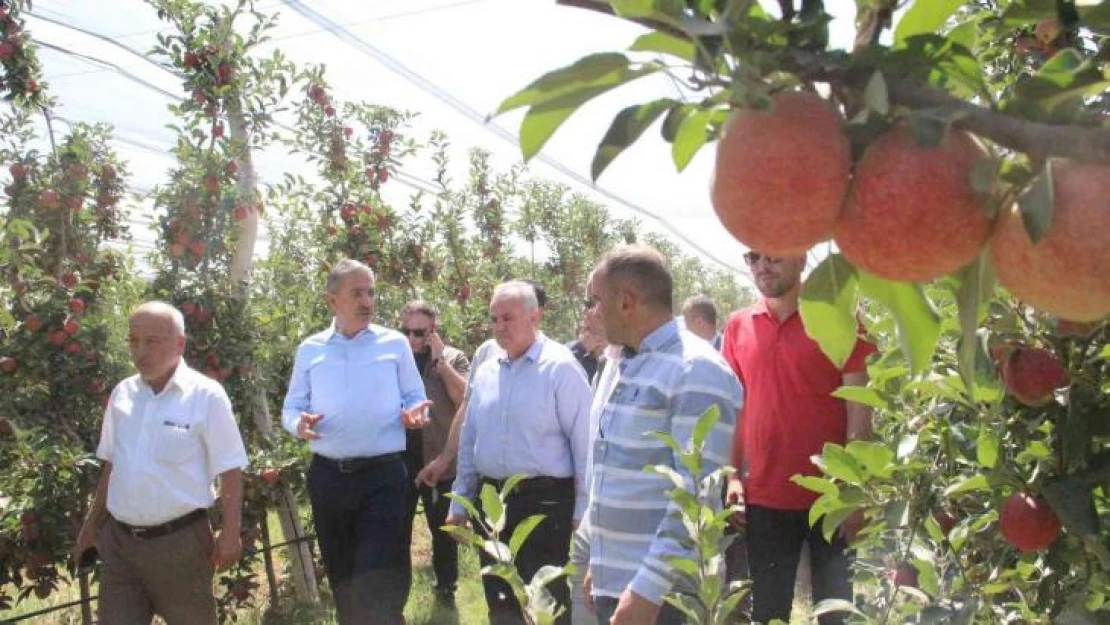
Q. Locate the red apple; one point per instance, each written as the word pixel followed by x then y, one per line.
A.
pixel 33 324
pixel 1028 523
pixel 8 364
pixel 57 337
pixel 1032 374
pixel 69 279
pixel 49 199
pixel 18 170
pixel 71 326
pixel 77 305
pixel 270 476
pixel 177 250
pixel 73 348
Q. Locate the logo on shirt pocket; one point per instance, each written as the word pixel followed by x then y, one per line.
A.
pixel 176 442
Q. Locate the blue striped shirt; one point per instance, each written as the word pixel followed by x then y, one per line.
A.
pixel 360 385
pixel 630 522
pixel 530 415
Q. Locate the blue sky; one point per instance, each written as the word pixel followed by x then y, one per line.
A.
pixel 477 51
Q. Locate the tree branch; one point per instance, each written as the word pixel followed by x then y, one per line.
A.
pixel 1085 143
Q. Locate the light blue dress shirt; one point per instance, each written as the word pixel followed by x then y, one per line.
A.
pixel 360 385
pixel 529 416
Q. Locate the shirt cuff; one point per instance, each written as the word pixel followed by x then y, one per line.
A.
pixel 650 585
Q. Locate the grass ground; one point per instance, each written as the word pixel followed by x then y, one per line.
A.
pixel 422 608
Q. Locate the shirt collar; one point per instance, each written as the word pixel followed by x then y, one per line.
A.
pixel 182 378
pixel 532 353
pixel 760 308
pixel 331 332
pixel 654 339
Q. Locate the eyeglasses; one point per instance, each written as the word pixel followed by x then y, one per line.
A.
pixel 417 332
pixel 754 257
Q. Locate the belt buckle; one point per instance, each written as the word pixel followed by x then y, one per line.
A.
pixel 346 465
pixel 140 532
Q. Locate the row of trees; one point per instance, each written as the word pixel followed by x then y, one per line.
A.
pixel 68 277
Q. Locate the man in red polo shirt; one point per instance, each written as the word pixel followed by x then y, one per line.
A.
pixel 788 417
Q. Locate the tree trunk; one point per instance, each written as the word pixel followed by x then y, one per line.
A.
pixel 303 568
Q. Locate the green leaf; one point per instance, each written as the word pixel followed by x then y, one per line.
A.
pixel 986 448
pixel 1036 205
pixel 492 507
pixel 967 485
pixel 828 308
pixel 917 320
pixel 705 425
pixel 599 68
pixel 861 395
pixel 924 17
pixel 1021 12
pixel 692 134
pixel 816 484
pixel 977 285
pixel 626 128
pixel 836 462
pixel 928 127
pixel 875 94
pixel 523 530
pixel 665 43
pixel 875 458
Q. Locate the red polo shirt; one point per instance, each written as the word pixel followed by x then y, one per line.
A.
pixel 788 412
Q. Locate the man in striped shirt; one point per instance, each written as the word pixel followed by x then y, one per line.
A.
pixel 668 379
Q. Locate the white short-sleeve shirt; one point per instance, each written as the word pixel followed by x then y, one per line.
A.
pixel 167 449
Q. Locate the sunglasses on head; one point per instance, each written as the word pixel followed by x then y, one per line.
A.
pixel 755 257
pixel 417 332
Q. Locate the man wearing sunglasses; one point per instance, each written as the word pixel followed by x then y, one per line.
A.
pixel 443 369
pixel 789 415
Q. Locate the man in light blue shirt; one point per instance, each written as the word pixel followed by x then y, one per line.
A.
pixel 354 390
pixel 528 414
pixel 668 378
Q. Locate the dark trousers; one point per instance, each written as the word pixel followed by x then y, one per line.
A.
pixel 360 517
pixel 606 606
pixel 548 544
pixel 775 539
pixel 445 551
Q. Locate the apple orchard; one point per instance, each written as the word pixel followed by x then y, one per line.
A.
pixel 949 174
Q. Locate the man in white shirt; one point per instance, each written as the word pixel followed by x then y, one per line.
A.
pixel 168 433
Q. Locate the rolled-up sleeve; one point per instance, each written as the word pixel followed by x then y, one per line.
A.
pixel 572 406
pixel 703 386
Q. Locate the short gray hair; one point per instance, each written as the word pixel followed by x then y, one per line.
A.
pixel 164 309
pixel 520 290
pixel 344 268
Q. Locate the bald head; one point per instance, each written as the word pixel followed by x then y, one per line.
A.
pixel 162 310
pixel 156 339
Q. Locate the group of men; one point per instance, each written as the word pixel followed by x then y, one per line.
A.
pixel 392 417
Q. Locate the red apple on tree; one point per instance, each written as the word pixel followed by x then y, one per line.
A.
pixel 1028 523
pixel 269 475
pixel 8 364
pixel 69 279
pixel 1032 374
pixel 33 323
pixel 49 199
pixel 71 326
pixel 77 305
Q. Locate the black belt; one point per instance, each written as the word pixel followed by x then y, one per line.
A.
pixel 533 484
pixel 169 527
pixel 354 465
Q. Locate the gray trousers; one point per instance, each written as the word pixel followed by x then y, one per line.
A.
pixel 169 575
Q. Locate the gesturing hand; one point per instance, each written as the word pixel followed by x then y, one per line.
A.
pixel 306 424
pixel 416 417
